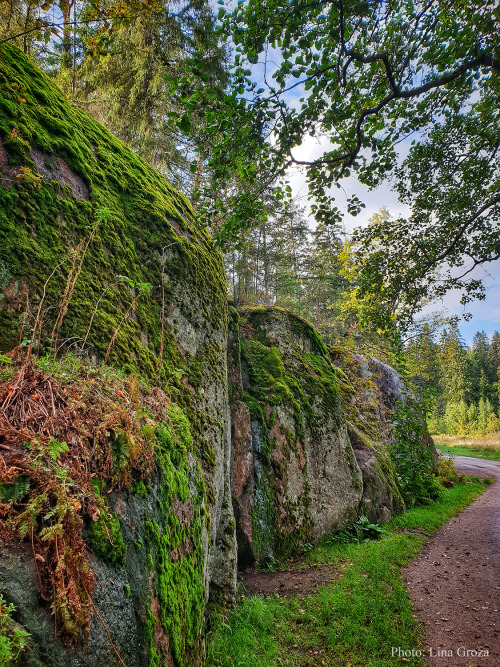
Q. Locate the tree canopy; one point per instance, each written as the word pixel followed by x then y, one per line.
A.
pixel 41 20
pixel 365 78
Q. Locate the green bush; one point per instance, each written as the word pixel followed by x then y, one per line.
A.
pixel 447 472
pixel 13 639
pixel 412 457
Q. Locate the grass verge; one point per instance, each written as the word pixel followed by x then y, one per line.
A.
pixel 354 621
pixel 466 450
pixel 479 446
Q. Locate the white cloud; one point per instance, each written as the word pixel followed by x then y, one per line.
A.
pixel 485 314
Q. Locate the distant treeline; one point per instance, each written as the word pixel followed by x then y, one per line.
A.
pixel 462 381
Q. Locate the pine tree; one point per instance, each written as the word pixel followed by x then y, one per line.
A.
pixel 422 354
pixel 127 86
pixel 453 366
pixel 325 285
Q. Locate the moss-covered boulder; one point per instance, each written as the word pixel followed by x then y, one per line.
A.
pixel 294 473
pixel 99 256
pixel 372 394
pixel 370 391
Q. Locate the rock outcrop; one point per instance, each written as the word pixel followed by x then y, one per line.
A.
pixel 294 473
pixel 99 255
pixel 311 430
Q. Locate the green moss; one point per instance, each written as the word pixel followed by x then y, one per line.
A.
pixel 233 318
pixel 133 214
pixel 179 589
pixel 174 546
pixel 106 539
pixel 288 367
pixel 14 640
pixel 290 377
pixel 140 489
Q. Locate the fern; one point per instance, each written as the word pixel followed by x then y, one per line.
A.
pixel 11 493
pixel 124 446
pixel 56 448
pixel 50 532
pixel 28 517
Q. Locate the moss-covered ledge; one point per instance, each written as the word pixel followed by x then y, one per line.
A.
pixel 99 255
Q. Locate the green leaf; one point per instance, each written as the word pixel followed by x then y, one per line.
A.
pixel 185 124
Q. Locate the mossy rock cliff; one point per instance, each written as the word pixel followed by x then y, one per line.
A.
pixel 311 431
pixel 294 474
pixel 100 255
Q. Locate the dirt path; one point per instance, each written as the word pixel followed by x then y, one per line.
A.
pixel 288 582
pixel 454 584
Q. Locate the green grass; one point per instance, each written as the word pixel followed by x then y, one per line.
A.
pixel 479 446
pixel 354 621
pixel 477 452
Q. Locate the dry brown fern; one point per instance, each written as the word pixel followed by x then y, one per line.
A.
pixel 57 438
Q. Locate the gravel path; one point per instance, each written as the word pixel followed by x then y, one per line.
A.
pixel 454 584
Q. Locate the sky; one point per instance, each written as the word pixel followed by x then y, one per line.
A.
pixel 485 314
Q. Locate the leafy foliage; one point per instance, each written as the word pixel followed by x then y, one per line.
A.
pixel 412 457
pixel 363 77
pixel 127 85
pixel 463 380
pixel 357 530
pixel 44 19
pixel 13 492
pixel 447 473
pixel 13 638
pixel 281 262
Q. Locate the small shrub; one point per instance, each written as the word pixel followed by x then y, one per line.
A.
pixel 413 459
pixel 359 530
pixel 447 473
pixel 13 639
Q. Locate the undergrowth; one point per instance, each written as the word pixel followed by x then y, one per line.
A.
pixel 355 620
pixel 13 639
pixel 357 530
pixel 69 432
pixel 412 456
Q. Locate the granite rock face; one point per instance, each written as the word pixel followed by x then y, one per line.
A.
pixel 294 473
pixel 311 431
pixel 99 255
pixel 370 391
